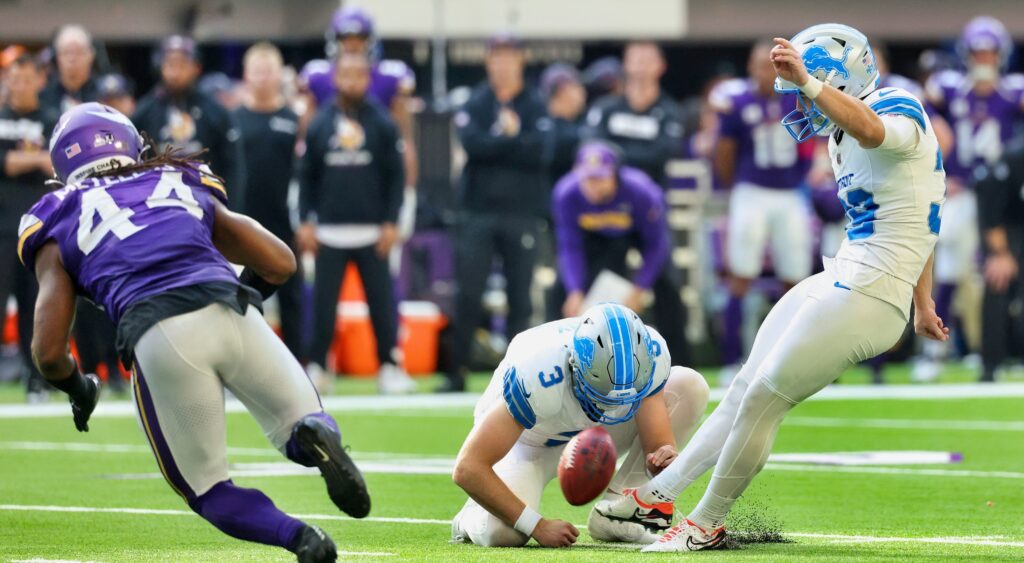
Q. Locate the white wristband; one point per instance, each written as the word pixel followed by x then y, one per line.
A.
pixel 528 520
pixel 812 87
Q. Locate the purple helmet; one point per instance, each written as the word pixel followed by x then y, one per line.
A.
pixel 317 76
pixel 348 21
pixel 90 138
pixel 985 33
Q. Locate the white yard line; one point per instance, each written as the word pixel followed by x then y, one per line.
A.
pixel 895 471
pixel 397 405
pixel 988 541
pixel 907 424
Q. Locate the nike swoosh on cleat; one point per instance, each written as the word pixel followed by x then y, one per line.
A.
pixel 323 455
pixel 696 545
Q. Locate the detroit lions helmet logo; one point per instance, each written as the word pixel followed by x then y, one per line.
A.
pixel 817 58
pixel 584 350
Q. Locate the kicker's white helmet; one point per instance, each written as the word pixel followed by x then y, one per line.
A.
pixel 837 55
pixel 612 360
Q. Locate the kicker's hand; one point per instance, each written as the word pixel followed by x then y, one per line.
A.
pixel 660 459
pixel 788 63
pixel 555 533
pixel 928 324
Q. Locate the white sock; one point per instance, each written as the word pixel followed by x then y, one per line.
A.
pixel 744 454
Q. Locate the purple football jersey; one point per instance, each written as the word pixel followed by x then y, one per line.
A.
pixel 981 124
pixel 766 154
pixel 388 78
pixel 124 238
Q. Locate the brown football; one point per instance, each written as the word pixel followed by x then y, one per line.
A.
pixel 587 465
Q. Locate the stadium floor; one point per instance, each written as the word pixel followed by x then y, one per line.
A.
pixel 98 496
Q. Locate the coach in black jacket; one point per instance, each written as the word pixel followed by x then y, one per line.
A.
pixel 176 114
pixel 350 188
pixel 1000 189
pixel 503 195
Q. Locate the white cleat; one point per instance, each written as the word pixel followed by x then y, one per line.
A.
pixel 687 536
pixel 925 370
pixel 392 380
pixel 628 519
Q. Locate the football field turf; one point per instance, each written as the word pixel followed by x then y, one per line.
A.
pixel 99 497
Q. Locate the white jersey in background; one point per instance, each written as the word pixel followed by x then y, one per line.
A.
pixel 893 195
pixel 535 384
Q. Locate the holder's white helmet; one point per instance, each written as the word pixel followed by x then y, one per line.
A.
pixel 612 360
pixel 837 55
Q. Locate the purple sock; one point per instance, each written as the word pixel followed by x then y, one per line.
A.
pixel 733 325
pixel 944 301
pixel 247 514
pixel 292 449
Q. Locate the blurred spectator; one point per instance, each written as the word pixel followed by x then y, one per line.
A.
pixel 24 168
pixel 351 182
pixel 316 88
pixel 176 114
pixel 503 196
pixel 601 210
pixel 268 129
pixel 603 78
pixel 73 82
pixel 560 85
pixel 222 88
pixel 764 166
pixel 117 91
pixel 645 122
pixel 1001 206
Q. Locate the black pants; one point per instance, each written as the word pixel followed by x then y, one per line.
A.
pixel 95 336
pixel 1002 313
pixel 609 253
pixel 480 237
pixel 380 298
pixel 16 280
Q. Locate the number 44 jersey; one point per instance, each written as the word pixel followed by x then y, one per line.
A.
pixel 893 196
pixel 123 238
pixel 534 383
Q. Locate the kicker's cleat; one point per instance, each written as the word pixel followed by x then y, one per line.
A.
pixel 629 508
pixel 345 483
pixel 314 546
pixel 687 536
pixel 82 411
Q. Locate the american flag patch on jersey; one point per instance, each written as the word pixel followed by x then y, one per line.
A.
pixel 72 151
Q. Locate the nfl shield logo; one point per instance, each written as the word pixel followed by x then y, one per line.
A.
pixel 72 151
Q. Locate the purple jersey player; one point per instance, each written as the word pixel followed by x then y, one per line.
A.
pixel 764 165
pixel 150 241
pixel 984 108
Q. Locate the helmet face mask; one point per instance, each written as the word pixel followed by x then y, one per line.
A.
pixel 612 363
pixel 837 55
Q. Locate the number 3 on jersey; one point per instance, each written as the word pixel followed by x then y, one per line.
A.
pixel 116 220
pixel 549 379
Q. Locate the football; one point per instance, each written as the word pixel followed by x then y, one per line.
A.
pixel 587 465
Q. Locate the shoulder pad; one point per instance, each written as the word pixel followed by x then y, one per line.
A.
pixel 897 101
pixel 662 361
pixel 205 177
pixel 34 228
pixel 723 96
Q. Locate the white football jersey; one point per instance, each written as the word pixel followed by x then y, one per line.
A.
pixel 893 195
pixel 535 383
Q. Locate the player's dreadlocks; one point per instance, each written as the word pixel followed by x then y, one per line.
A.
pixel 171 156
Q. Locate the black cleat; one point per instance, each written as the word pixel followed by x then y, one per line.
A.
pixel 82 411
pixel 345 483
pixel 314 546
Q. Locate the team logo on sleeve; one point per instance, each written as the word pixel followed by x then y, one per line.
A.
pixel 817 58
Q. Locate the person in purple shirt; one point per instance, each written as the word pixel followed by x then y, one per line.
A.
pixel 765 167
pixel 601 210
pixel 984 106
pixel 150 241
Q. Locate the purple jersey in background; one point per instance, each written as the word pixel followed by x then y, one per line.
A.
pixel 637 208
pixel 124 238
pixel 766 155
pixel 981 124
pixel 388 78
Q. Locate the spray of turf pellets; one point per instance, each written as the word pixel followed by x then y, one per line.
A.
pixel 753 521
